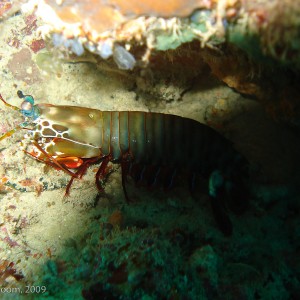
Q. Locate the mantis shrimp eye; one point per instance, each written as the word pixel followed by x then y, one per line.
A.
pixel 26 106
pixel 20 94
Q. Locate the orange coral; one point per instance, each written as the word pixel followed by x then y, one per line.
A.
pixel 4 7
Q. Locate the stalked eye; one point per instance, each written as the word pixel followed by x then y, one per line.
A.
pixel 26 105
pixel 26 108
pixel 20 94
pixel 29 99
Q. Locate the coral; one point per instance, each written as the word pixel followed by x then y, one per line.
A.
pixel 37 45
pixel 7 270
pixel 5 6
pixel 131 263
pixel 109 14
pixel 99 27
pixel 123 59
pixel 23 68
pixel 30 24
pixel 205 262
pixel 72 44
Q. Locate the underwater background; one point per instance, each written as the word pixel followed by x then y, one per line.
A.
pixel 232 65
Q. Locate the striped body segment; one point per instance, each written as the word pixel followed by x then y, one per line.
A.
pixel 149 138
pixel 166 141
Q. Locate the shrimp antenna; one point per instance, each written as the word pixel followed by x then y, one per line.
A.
pixel 20 126
pixel 9 105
